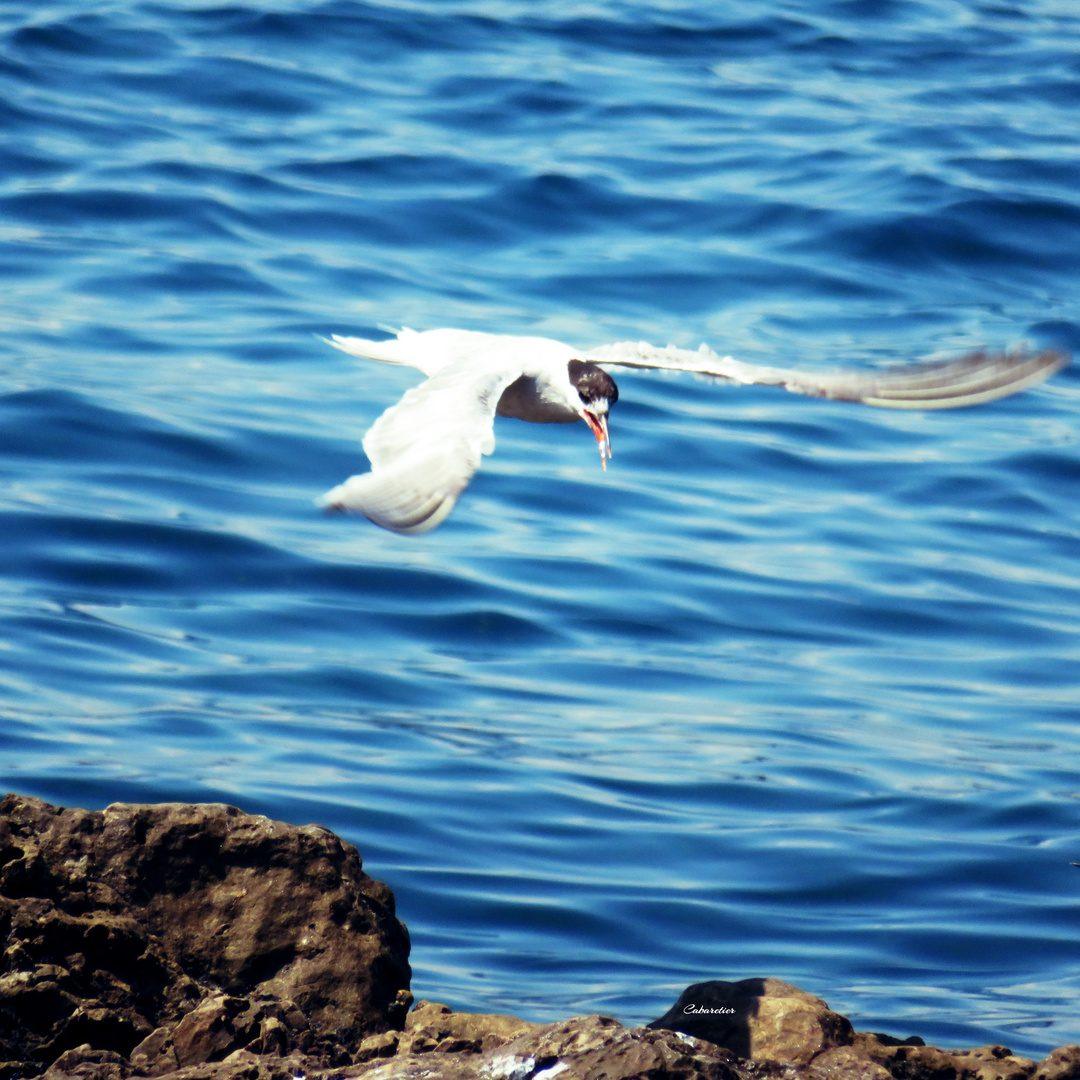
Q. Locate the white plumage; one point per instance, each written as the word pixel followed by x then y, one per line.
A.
pixel 425 449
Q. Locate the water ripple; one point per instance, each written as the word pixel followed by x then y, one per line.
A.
pixel 790 690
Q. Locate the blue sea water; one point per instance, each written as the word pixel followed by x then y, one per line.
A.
pixel 792 689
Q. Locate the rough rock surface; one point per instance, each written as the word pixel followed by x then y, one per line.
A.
pixel 175 934
pixel 591 1047
pixel 201 943
pixel 764 1019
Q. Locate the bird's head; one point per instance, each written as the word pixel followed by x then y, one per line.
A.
pixel 597 392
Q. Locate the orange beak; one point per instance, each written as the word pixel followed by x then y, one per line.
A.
pixel 598 426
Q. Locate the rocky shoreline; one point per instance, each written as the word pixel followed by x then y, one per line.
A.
pixel 196 941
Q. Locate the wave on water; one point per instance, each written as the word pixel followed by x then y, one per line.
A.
pixel 789 690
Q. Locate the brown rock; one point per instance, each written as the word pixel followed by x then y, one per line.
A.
pixel 911 1060
pixel 273 1037
pixel 845 1063
pixel 419 1042
pixel 155 1055
pixel 1061 1064
pixel 377 1046
pixel 914 1061
pixel 244 1065
pixel 465 1031
pixel 126 920
pixel 422 1067
pixel 199 943
pixel 593 1047
pixel 214 1028
pixel 992 1063
pixel 427 1014
pixel 764 1019
pixel 85 1063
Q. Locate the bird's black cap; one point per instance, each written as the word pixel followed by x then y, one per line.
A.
pixel 591 382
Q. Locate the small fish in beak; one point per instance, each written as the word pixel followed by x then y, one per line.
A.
pixel 599 427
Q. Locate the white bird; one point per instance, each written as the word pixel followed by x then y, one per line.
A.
pixel 425 449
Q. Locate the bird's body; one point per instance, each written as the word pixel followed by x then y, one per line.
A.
pixel 425 449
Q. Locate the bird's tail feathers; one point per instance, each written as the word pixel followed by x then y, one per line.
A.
pixel 402 349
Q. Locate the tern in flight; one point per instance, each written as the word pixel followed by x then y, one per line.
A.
pixel 425 449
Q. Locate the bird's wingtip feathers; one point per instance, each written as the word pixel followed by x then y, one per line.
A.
pixel 973 379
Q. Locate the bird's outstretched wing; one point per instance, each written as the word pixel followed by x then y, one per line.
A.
pixel 431 351
pixel 931 384
pixel 425 449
